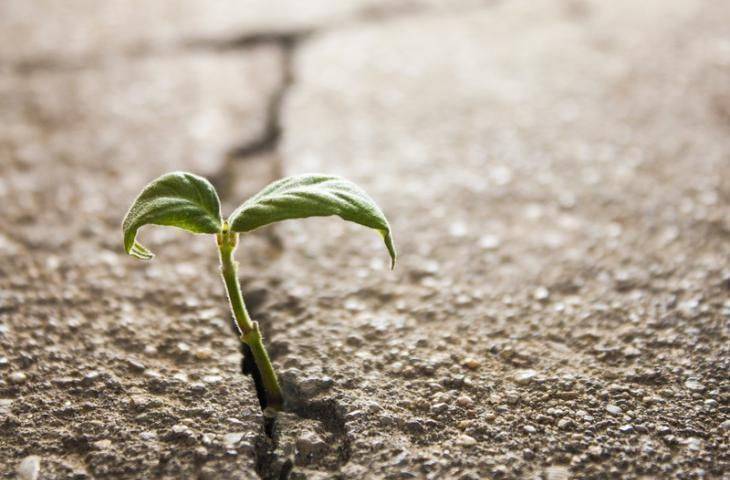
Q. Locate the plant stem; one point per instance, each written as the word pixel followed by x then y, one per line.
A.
pixel 250 332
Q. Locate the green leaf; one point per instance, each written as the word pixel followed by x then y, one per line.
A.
pixel 312 195
pixel 176 199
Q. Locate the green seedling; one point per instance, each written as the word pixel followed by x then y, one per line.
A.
pixel 190 202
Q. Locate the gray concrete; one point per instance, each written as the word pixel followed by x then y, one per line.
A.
pixel 557 174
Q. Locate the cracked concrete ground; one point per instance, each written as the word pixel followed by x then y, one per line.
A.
pixel 557 173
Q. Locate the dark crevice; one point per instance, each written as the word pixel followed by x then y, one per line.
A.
pixel 268 141
pixel 254 301
pixel 250 40
pixel 276 456
pixel 273 128
pixel 249 367
pixel 288 41
pixel 269 466
pixel 42 63
pixel 247 41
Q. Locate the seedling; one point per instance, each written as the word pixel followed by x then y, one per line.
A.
pixel 190 202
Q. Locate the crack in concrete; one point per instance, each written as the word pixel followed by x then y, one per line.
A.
pixel 268 140
pixel 276 448
pixel 288 42
pixel 367 15
pixel 274 461
pixel 269 465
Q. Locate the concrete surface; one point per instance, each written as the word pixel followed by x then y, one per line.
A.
pixel 557 173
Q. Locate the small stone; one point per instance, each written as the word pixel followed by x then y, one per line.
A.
pixel 147 435
pixel 140 400
pixel 181 430
pixel 595 451
pixel 353 305
pixel 198 387
pixel 29 468
pixel 631 352
pixel 614 409
pixel 626 428
pixel 414 426
pixel 565 424
pixel 90 377
pixel 529 429
pixel 694 385
pixel 458 230
pixel 354 340
pixel 471 363
pixel 500 471
pixel 311 386
pixel 557 472
pixel 310 443
pixel 464 424
pixel 354 415
pixel 694 444
pixel 431 267
pixel 725 425
pixel 135 366
pixel 231 439
pixel 463 299
pixel 541 294
pixel 5 404
pixel 489 242
pixel 466 440
pixel 465 401
pixel 17 378
pixel 523 377
pixel 201 452
pixel 512 397
pixel 203 354
pixel 663 430
pixel 211 379
pixel 103 444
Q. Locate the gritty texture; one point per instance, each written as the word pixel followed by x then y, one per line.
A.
pixel 557 175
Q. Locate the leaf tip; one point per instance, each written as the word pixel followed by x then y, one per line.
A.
pixel 390 245
pixel 139 252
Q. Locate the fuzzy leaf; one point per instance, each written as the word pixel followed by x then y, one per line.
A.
pixel 176 199
pixel 312 195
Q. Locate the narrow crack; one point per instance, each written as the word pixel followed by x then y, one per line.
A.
pixel 269 464
pixel 268 141
pixel 368 15
pixel 276 449
pixel 248 41
pixel 254 302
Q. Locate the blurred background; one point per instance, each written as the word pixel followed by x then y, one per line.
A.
pixel 557 174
